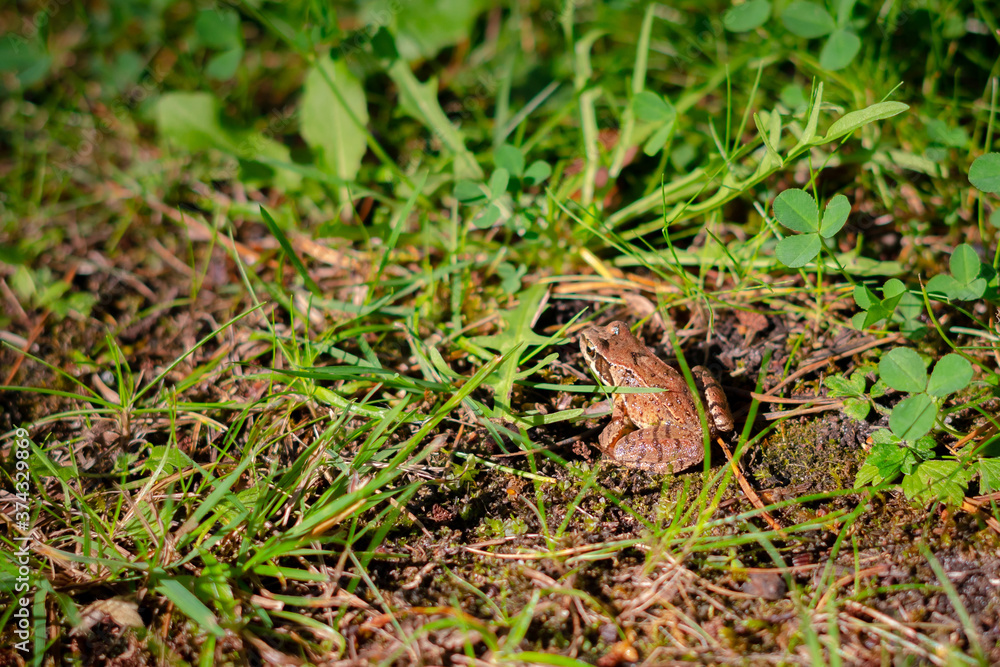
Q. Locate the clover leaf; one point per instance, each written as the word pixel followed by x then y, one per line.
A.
pixel 904 370
pixel 797 210
pixel 877 309
pixel 985 173
pixel 968 279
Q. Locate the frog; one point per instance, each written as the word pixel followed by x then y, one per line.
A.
pixel 659 432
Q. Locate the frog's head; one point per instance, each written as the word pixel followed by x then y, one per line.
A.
pixel 600 346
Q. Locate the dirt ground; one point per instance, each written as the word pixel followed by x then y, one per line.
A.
pixel 613 573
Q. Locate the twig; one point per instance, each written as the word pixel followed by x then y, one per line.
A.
pixel 749 492
pixel 823 407
pixel 823 362
pixel 848 578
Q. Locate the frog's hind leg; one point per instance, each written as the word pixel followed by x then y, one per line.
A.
pixel 660 449
pixel 715 399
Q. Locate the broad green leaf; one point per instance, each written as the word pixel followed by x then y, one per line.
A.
pixel 855 119
pixel 510 276
pixel 223 66
pixel 937 480
pixel 771 137
pixel 797 251
pixel 797 210
pixel 859 378
pixel 913 417
pixel 537 172
pixel 22 281
pixel 903 370
pixel 327 126
pixel 884 435
pixel 989 475
pixel 192 121
pixel 510 158
pixel 923 447
pixel 868 474
pixel 971 291
pixel 940 132
pixel 424 27
pixel 748 16
pixel 840 49
pixel 774 133
pixel 985 173
pixel 876 309
pixel 844 8
pixel 651 107
pixel 51 294
pixel 12 254
pixel 893 288
pixel 658 139
pixel 384 45
pixel 468 192
pixel 838 385
pixel 964 264
pixel 952 373
pixel 834 216
pixel 175 459
pixel 793 97
pixel 488 218
pixel 943 284
pixel 875 313
pixel 889 305
pixel 864 297
pixel 887 458
pixel 809 133
pixel 857 408
pixel 954 290
pixel 219 28
pixel 808 19
pixel 265 161
pixel 420 101
pixel 498 182
pixel 27 57
pixel 909 308
pixel 517 332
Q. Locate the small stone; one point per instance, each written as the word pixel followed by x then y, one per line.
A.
pixel 765 585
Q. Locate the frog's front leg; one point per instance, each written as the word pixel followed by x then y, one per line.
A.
pixel 659 449
pixel 619 426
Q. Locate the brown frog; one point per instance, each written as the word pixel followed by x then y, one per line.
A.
pixel 659 432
